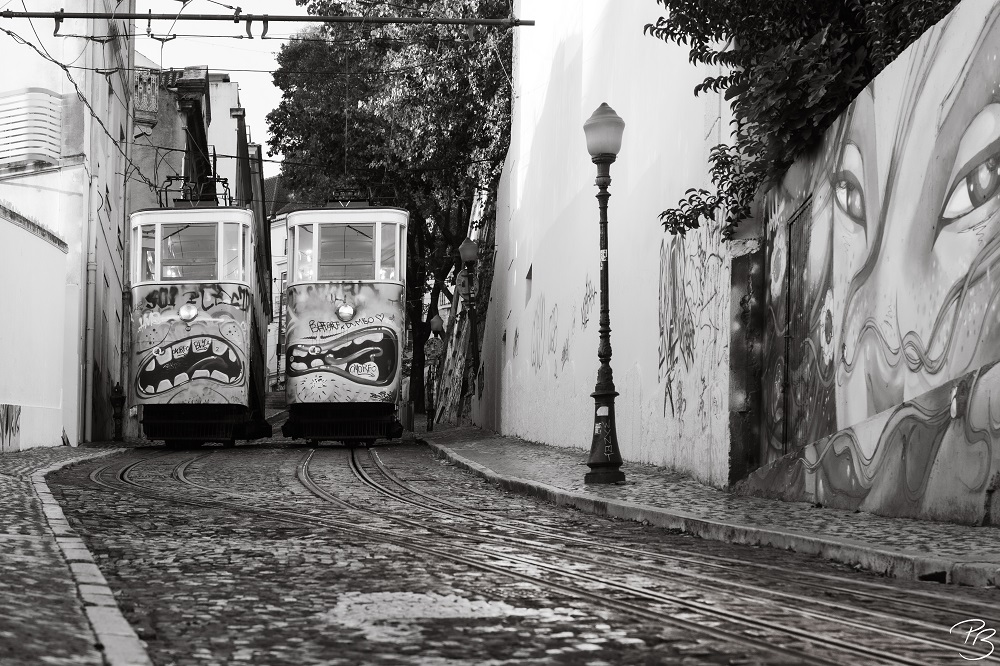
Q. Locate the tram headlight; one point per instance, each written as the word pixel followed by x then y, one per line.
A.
pixel 188 312
pixel 345 312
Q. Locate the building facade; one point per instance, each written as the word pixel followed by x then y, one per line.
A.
pixel 63 156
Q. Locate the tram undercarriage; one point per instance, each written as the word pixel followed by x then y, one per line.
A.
pixel 202 423
pixel 342 422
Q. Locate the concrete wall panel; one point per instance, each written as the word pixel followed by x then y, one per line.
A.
pixel 540 347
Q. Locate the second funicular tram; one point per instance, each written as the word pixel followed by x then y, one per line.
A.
pixel 197 361
pixel 345 323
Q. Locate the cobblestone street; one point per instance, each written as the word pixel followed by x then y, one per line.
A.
pixel 283 554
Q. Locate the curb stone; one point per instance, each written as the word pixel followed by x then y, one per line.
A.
pixel 115 637
pixel 894 563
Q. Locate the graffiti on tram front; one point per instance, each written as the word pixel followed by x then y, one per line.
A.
pixel 330 360
pixel 206 296
pixel 198 355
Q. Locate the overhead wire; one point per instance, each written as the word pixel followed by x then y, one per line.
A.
pixel 318 165
pixel 107 71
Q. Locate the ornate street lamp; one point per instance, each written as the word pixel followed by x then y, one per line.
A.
pixel 437 325
pixel 604 139
pixel 468 251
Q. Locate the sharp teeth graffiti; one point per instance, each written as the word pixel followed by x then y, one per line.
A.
pixel 200 360
pixel 329 360
pixel 173 366
pixel 367 356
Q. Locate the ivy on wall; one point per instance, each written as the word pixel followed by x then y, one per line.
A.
pixel 789 68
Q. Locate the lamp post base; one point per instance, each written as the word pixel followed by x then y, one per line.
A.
pixel 605 459
pixel 610 475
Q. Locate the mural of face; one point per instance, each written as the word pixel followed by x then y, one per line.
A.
pixel 887 280
pixel 330 360
pixel 190 343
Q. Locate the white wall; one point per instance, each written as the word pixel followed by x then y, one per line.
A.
pixel 222 131
pixel 540 350
pixel 32 272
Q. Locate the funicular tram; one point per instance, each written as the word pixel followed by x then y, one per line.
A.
pixel 198 316
pixel 345 323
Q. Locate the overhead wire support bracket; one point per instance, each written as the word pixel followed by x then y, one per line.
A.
pixel 62 14
pixel 250 19
pixel 58 19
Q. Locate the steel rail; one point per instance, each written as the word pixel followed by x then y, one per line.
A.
pixel 414 544
pixel 238 17
pixel 700 607
pixel 715 584
pixel 731 564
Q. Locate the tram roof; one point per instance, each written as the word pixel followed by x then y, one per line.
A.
pixel 199 211
pixel 348 214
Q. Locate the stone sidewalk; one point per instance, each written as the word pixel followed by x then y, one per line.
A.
pixel 55 606
pixel 901 548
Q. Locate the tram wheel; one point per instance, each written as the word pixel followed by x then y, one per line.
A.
pixel 229 444
pixel 176 444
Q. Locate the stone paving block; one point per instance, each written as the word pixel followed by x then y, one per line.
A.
pixel 91 599
pixel 121 651
pixel 77 555
pixel 85 572
pixel 70 542
pixel 109 621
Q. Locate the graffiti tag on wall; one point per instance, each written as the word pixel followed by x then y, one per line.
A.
pixel 544 333
pixel 589 296
pixel 10 428
pixel 693 311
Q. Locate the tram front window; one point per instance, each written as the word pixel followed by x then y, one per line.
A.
pixel 189 252
pixel 387 263
pixel 304 253
pixel 147 252
pixel 347 252
pixel 232 266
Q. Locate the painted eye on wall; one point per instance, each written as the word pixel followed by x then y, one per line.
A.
pixel 847 188
pixel 850 197
pixel 978 186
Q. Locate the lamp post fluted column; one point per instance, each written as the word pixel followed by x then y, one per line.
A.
pixel 605 458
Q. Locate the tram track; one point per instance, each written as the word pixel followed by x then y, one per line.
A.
pixel 427 547
pixel 705 616
pixel 736 567
pixel 500 566
pixel 699 580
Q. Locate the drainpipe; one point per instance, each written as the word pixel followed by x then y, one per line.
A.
pixel 91 273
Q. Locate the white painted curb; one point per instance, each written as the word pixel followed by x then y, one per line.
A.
pixel 120 644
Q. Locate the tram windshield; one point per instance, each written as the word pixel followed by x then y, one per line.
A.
pixel 191 252
pixel 347 251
